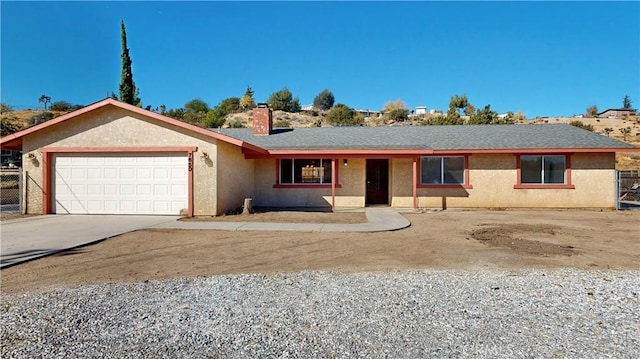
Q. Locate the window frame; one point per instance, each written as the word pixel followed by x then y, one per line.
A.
pixel 567 172
pixel 465 172
pixel 334 176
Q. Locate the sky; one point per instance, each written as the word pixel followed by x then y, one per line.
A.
pixel 541 58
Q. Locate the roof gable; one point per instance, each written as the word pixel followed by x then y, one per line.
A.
pixel 14 141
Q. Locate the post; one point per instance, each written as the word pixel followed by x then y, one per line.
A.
pixel 248 206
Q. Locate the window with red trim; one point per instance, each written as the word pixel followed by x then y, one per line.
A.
pixel 305 171
pixel 544 171
pixel 444 171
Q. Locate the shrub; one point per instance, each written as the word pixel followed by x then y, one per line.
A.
pixel 341 115
pixel 582 125
pixel 282 124
pixel 4 108
pixel 41 117
pixel 9 125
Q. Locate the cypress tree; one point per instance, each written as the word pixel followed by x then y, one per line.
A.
pixel 127 86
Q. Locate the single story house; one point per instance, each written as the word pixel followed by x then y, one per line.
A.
pixel 617 112
pixel 114 158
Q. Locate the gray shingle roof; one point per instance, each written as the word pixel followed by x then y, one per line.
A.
pixel 468 137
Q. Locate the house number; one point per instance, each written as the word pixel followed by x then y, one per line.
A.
pixel 190 163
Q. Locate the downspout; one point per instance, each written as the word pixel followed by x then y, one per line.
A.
pixel 334 162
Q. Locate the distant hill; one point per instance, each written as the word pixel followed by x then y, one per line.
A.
pixel 625 161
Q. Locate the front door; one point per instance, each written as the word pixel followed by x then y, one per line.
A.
pixel 377 182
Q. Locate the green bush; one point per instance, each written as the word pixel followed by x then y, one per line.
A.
pixel 283 100
pixel 41 117
pixel 582 125
pixel 282 124
pixel 341 115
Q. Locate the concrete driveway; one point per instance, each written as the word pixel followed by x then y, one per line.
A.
pixel 33 237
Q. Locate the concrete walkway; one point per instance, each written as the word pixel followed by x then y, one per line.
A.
pixel 379 219
pixel 29 238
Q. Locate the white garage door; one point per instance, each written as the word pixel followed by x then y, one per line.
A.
pixel 120 184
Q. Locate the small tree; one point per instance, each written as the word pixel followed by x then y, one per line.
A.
pixel 247 102
pixel 625 131
pixel 44 99
pixel 592 111
pixel 341 115
pixel 626 102
pixel 607 131
pixel 214 119
pixel 60 106
pixel 283 100
pixel 396 111
pixel 4 108
pixel 196 105
pixel 486 116
pixel 324 101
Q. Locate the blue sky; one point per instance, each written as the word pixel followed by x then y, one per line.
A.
pixel 542 58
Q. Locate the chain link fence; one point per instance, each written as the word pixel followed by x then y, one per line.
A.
pixel 628 183
pixel 10 190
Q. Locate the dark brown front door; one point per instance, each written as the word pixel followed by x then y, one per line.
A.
pixel 377 182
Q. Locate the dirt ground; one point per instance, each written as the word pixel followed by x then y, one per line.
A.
pixel 451 239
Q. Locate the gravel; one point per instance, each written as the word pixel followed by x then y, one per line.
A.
pixel 476 314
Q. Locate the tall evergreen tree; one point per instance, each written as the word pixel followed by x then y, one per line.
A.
pixel 128 91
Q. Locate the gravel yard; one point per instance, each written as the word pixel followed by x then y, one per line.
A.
pixel 552 313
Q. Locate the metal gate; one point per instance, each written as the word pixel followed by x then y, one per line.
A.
pixel 628 190
pixel 10 190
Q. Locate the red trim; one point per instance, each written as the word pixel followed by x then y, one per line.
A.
pixel 190 184
pixel 160 149
pixel 335 173
pixel 445 186
pixel 49 152
pixel 465 185
pixel 15 140
pixel 544 186
pixel 46 182
pixel 568 185
pixel 305 185
pixel 333 182
pixel 415 181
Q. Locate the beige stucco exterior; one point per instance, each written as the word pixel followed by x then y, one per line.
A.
pixel 493 177
pixel 113 127
pixel 224 177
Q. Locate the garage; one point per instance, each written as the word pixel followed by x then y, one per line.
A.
pixel 120 183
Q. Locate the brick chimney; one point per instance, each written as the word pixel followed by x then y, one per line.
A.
pixel 262 120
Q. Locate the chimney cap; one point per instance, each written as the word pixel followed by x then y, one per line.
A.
pixel 263 105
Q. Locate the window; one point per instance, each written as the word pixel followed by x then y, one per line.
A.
pixel 543 169
pixel 305 171
pixel 443 170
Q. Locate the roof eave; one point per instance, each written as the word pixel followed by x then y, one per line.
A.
pixel 14 141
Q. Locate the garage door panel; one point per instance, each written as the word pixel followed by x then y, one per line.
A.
pixel 120 184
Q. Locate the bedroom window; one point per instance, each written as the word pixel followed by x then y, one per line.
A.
pixel 305 171
pixel 543 169
pixel 442 170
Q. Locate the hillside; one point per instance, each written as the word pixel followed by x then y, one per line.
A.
pixel 624 161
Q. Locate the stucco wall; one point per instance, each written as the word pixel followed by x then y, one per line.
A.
pixel 267 196
pixel 493 178
pixel 235 177
pixel 112 127
pixel 351 177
